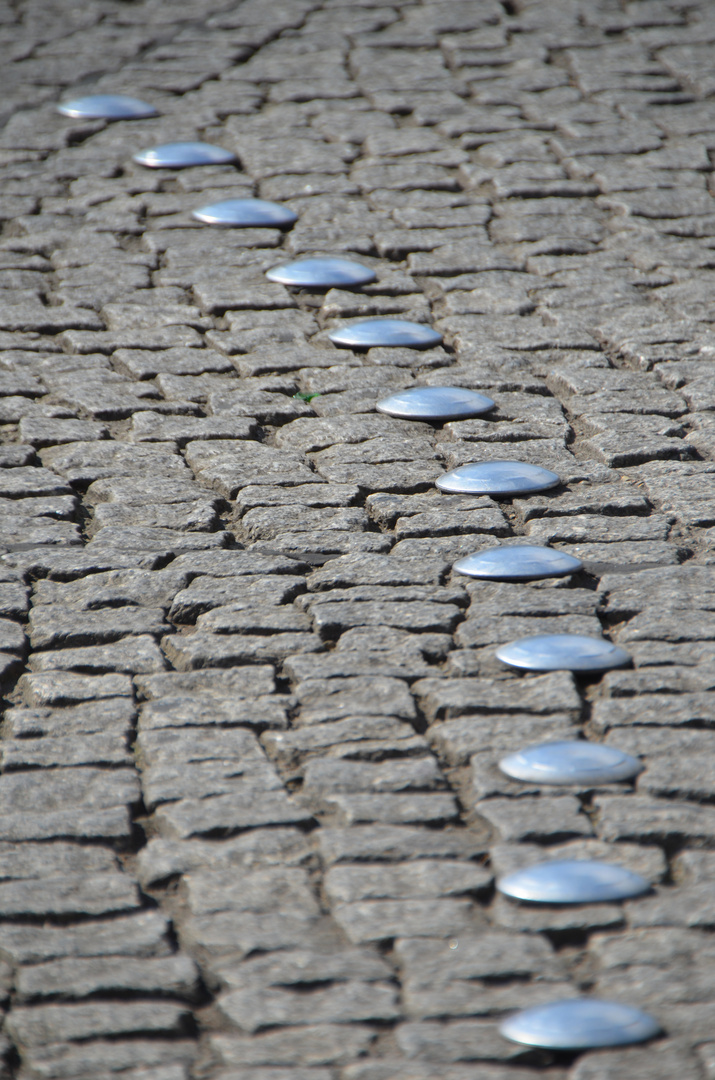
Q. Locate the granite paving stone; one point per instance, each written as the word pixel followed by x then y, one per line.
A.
pixel 251 719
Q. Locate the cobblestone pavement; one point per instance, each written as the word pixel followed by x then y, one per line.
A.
pixel 251 811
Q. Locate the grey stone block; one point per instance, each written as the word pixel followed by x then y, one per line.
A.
pixel 189 517
pixel 426 1041
pixel 66 688
pixel 205 593
pixel 182 710
pixel 241 619
pixel 239 682
pixel 28 482
pixel 114 715
pixel 651 1063
pixel 251 1010
pixel 131 655
pixel 650 820
pixel 323 777
pixel 171 976
pixel 394 842
pixel 14 601
pixel 203 649
pixel 158 1059
pixel 228 814
pixel 162 859
pixel 420 879
pixel 353 737
pixel 541 694
pixel 142 934
pixel 314 1044
pixel 231 935
pixel 382 920
pixel 108 750
pixel 57 625
pixel 359 809
pixel 543 819
pixel 323 700
pixel 97 894
pixel 331 619
pixel 52 1023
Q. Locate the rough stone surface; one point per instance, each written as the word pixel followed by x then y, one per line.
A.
pixel 252 813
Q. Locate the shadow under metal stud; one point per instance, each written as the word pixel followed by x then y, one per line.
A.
pixel 435 403
pixel 575 762
pixel 182 155
pixel 522 562
pixel 572 881
pixel 107 107
pixel 386 332
pixel 562 652
pixel 246 214
pixel 322 274
pixel 497 478
pixel 580 1024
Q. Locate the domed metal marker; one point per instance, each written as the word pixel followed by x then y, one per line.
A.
pixel 497 478
pixel 181 155
pixel 246 213
pixel 435 403
pixel 572 881
pixel 580 1024
pixel 576 762
pixel 322 274
pixel 523 562
pixel 562 652
pixel 107 107
pixel 386 332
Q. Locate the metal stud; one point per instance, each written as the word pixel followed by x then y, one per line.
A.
pixel 572 881
pixel 575 762
pixel 322 274
pixel 246 214
pixel 580 1024
pixel 386 332
pixel 497 478
pixel 562 652
pixel 182 155
pixel 522 562
pixel 435 403
pixel 107 107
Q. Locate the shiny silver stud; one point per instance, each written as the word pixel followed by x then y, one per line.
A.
pixel 386 332
pixel 326 273
pixel 107 107
pixel 575 762
pixel 572 881
pixel 182 155
pixel 522 562
pixel 246 214
pixel 580 1024
pixel 435 404
pixel 562 652
pixel 497 478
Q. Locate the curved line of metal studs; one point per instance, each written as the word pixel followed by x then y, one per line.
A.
pixel 580 1023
